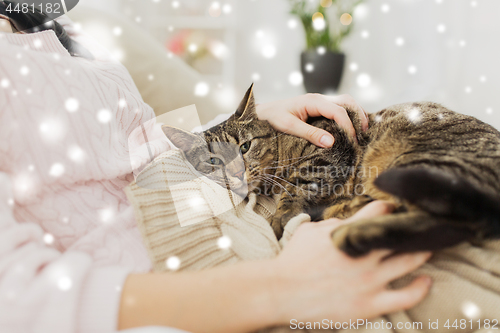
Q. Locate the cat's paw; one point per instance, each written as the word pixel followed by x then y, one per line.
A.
pixel 358 240
pixel 279 221
pixel 276 225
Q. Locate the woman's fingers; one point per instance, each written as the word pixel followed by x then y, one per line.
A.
pixel 373 209
pixel 348 102
pixel 318 105
pixel 315 135
pixel 395 267
pixel 402 299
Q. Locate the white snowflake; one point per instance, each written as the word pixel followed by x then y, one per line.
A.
pixel 400 41
pixel 414 115
pixel 353 66
pixel 52 130
pixel 76 154
pixel 227 9
pixel 365 34
pixel 319 24
pixel 385 8
pixel 441 28
pixel 361 11
pixel 173 263
pixel 56 170
pixel 471 310
pixel 489 110
pixel 468 90
pixel 24 70
pixel 412 69
pixel 363 80
pixel 48 238
pixel 193 48
pixel 255 77
pixel 72 104
pixel 292 23
pixel 309 67
pixel 196 202
pixel 4 83
pixel 37 43
pixel 104 116
pixel 151 77
pixel 482 78
pixel 106 215
pixel 268 51
pixel 117 31
pixel 201 89
pixel 64 283
pixel 122 102
pixel 321 50
pixel 224 242
pixel 295 78
pixel 175 4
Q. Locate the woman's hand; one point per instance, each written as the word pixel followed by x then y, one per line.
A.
pixel 310 280
pixel 290 116
pixel 317 281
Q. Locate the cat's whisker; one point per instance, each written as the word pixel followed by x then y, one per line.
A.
pixel 284 180
pixel 275 183
pixel 294 158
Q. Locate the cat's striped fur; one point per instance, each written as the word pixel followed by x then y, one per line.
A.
pixel 440 168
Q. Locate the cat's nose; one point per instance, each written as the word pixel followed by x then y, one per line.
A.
pixel 240 173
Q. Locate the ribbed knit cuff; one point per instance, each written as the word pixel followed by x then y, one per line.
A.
pixel 100 300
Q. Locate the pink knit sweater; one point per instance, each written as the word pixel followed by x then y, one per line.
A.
pixel 68 238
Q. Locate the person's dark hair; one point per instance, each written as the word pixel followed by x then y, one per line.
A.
pixel 34 21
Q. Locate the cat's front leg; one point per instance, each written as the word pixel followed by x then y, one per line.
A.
pixel 402 232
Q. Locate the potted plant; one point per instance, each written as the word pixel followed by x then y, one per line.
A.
pixel 326 24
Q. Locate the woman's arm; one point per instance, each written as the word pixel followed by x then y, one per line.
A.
pixel 310 280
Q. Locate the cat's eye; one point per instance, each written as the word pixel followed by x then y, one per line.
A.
pixel 215 161
pixel 245 147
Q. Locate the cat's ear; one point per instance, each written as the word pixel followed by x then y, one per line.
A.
pixel 181 139
pixel 246 109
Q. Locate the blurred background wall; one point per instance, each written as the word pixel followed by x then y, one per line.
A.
pixel 446 51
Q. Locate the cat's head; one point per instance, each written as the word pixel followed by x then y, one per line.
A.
pixel 234 153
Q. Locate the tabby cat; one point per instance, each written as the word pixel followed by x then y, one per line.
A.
pixel 441 169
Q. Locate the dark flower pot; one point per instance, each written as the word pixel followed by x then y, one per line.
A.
pixel 327 71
